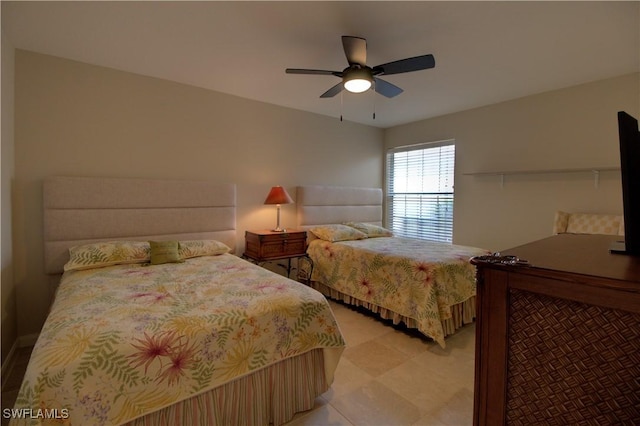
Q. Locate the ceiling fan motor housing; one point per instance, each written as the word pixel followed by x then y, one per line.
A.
pixel 357 78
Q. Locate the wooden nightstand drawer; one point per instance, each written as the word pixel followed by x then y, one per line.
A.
pixel 264 245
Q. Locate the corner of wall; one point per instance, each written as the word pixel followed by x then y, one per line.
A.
pixel 7 158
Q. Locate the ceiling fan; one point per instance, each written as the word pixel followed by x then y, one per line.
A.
pixel 358 77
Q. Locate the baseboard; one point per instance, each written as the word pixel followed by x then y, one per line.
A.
pixel 8 363
pixel 28 340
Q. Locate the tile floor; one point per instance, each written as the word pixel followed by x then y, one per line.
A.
pixel 391 377
pixel 385 377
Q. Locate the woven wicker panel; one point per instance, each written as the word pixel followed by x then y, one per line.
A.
pixel 571 363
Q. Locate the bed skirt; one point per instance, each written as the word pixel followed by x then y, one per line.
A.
pixel 461 313
pixel 271 395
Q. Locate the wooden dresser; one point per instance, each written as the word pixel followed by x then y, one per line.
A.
pixel 558 342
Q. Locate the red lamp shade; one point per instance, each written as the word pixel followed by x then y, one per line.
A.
pixel 278 195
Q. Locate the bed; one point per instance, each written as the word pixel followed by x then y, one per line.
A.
pixel 426 285
pixel 156 322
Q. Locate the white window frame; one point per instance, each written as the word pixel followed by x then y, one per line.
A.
pixel 421 207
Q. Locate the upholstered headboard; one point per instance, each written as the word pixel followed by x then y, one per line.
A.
pixel 81 210
pixel 317 205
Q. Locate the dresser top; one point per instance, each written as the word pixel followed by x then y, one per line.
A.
pixel 579 254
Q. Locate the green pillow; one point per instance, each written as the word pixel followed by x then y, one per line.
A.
pixel 164 252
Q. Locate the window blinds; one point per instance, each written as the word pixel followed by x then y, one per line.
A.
pixel 420 191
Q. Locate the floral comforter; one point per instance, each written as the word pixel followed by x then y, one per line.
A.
pixel 415 278
pixel 123 341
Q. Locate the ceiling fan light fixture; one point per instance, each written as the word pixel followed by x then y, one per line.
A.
pixel 357 85
pixel 357 80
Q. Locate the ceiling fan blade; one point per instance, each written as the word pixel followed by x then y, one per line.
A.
pixel 416 63
pixel 316 72
pixel 355 48
pixel 333 91
pixel 386 89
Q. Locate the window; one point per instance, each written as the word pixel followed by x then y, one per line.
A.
pixel 420 191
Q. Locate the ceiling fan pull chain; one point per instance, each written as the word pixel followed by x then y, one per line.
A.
pixel 374 99
pixel 341 103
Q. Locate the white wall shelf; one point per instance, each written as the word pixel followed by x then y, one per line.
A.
pixel 594 170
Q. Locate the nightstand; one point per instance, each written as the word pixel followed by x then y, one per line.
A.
pixel 266 246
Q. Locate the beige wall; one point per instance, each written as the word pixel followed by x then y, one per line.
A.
pixel 569 128
pixel 7 291
pixel 78 119
pixel 83 120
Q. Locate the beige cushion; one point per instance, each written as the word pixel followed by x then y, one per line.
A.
pixel 588 223
pixel 560 222
pixel 337 232
pixel 370 229
pixel 108 253
pixel 197 248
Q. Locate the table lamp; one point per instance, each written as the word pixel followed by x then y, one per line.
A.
pixel 278 195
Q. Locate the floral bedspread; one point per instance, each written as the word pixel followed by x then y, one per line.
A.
pixel 123 341
pixel 415 278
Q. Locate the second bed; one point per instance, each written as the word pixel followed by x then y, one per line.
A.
pixel 426 285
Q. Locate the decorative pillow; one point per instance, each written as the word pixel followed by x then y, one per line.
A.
pixel 370 229
pixel 164 252
pixel 560 222
pixel 588 223
pixel 98 255
pixel 196 248
pixel 337 233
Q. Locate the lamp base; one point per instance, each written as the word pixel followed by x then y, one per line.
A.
pixel 277 228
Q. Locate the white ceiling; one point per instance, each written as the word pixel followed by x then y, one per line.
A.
pixel 486 52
